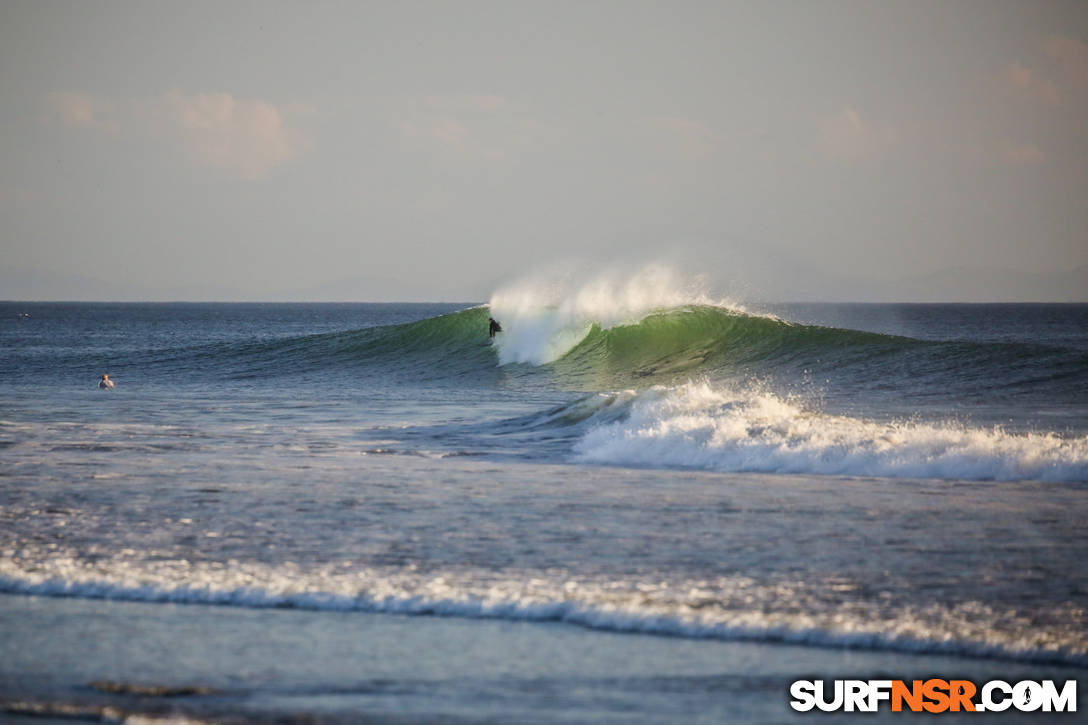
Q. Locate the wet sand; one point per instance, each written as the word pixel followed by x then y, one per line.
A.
pixel 67 659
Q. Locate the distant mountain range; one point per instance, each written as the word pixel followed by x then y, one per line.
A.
pixel 958 284
pixel 963 284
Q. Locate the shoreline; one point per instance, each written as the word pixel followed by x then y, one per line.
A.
pixel 234 664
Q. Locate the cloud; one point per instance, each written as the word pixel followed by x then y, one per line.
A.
pixel 245 137
pixel 1020 154
pixel 82 109
pixel 1030 86
pixel 1061 70
pixel 444 129
pixel 1033 99
pixel 990 147
pixel 449 130
pixel 1071 56
pixel 847 134
pixel 467 127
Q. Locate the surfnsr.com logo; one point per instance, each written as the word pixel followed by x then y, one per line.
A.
pixel 933 695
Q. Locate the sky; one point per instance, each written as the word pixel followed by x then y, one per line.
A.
pixel 434 151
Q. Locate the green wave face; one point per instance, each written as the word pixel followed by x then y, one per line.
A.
pixel 697 339
pixel 435 348
pixel 661 344
pixel 448 346
pixel 457 332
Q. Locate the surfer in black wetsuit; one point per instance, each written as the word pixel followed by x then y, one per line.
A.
pixel 492 327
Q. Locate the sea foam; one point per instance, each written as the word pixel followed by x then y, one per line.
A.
pixel 726 607
pixel 734 429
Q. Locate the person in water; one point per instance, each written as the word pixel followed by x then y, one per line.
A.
pixel 104 382
pixel 493 327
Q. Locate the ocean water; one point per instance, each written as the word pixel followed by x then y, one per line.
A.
pixel 636 504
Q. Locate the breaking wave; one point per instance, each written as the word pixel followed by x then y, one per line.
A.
pixel 727 608
pixel 718 428
pixel 545 319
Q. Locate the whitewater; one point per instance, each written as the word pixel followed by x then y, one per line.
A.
pixel 768 486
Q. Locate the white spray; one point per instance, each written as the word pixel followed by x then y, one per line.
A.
pixel 546 317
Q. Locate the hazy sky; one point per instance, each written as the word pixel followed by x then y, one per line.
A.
pixel 431 151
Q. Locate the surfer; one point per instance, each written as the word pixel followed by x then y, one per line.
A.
pixel 493 326
pixel 104 382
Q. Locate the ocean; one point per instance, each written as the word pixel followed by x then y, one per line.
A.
pixel 635 504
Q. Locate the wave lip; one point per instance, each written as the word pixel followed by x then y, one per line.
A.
pixel 727 608
pixel 700 426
